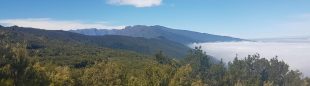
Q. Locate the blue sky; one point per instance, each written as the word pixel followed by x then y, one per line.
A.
pixel 239 18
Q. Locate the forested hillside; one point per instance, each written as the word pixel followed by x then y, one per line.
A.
pixel 54 38
pixel 59 58
pixel 18 68
pixel 180 36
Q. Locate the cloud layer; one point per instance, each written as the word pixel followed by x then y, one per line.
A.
pixel 136 3
pixel 50 24
pixel 295 54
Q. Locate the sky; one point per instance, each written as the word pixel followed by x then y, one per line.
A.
pixel 248 19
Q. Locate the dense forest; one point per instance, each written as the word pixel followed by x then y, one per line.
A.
pixel 52 58
pixel 19 68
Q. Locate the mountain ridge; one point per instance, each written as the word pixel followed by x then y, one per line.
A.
pixel 136 44
pixel 181 36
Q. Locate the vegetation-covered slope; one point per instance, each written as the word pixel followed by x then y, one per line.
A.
pixel 54 38
pixel 17 68
pixel 49 61
pixel 180 36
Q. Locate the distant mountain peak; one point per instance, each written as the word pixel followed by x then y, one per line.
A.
pixel 14 26
pixel 147 27
pixel 137 27
pixel 136 44
pixel 157 31
pixel 159 26
pixel 93 28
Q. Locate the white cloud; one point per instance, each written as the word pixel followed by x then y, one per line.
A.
pixel 136 3
pixel 50 24
pixel 295 54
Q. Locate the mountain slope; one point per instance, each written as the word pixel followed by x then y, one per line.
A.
pixel 180 36
pixel 137 44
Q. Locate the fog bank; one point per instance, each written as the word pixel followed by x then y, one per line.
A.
pixel 297 55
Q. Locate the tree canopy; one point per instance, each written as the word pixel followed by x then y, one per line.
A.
pixel 18 67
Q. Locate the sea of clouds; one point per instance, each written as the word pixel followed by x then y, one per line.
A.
pixel 297 55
